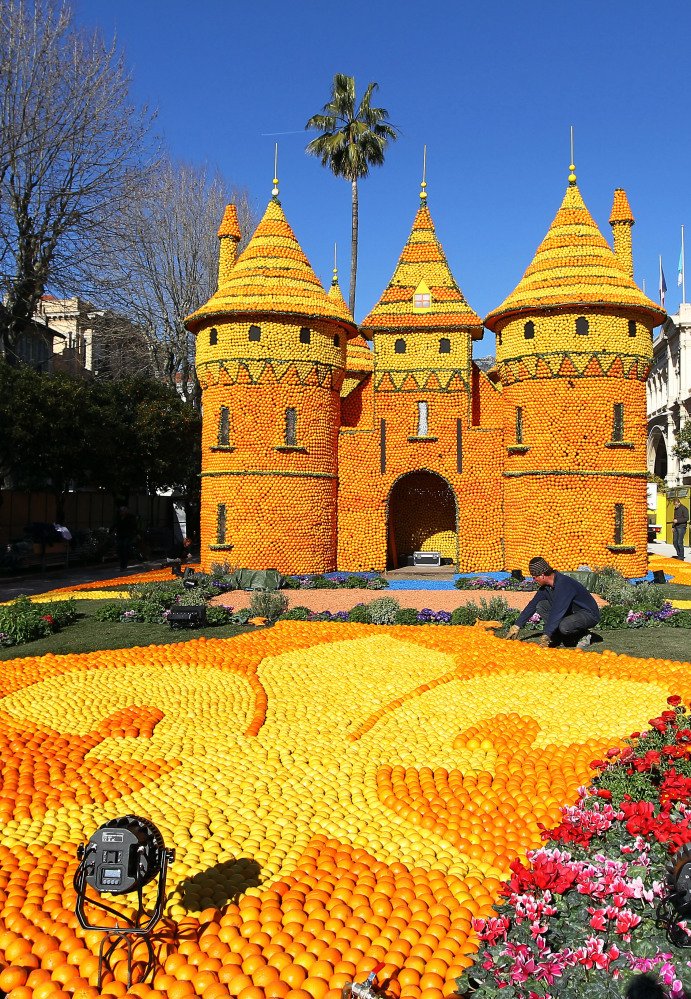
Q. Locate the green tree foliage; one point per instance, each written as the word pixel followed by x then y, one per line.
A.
pixel 682 448
pixel 353 138
pixel 126 435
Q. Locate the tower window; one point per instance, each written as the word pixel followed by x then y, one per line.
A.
pixel 224 426
pixel 291 427
pixel 213 337
pixel 444 345
pixel 422 419
pixel 255 333
pixel 618 523
pixel 499 339
pixel 618 421
pixel 304 335
pixel 582 326
pixel 529 330
pixel 337 341
pixel 422 300
pixel 632 327
pixel 221 524
pixel 519 424
pixel 399 346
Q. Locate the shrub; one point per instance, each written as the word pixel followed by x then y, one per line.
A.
pixel 378 583
pixel 406 615
pixel 681 620
pixel 241 616
pixel 218 615
pixel 354 582
pixel 164 594
pixel 291 583
pixel 360 614
pixel 613 617
pixel 296 614
pixel 383 610
pixel 494 609
pixel 465 614
pixel 63 612
pixel 21 621
pixel 269 604
pixel 110 610
pixel 321 583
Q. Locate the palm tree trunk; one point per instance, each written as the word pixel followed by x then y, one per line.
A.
pixel 353 248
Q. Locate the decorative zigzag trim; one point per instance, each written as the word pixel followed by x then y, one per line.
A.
pixel 566 364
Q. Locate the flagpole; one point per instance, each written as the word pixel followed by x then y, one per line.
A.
pixel 683 270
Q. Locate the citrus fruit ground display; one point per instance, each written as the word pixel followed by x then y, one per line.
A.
pixel 338 795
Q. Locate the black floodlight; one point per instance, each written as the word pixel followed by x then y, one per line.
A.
pixel 675 907
pixel 518 575
pixel 122 856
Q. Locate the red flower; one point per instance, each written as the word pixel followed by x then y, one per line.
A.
pixel 48 618
pixel 674 700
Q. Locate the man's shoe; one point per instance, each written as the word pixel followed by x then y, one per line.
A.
pixel 584 642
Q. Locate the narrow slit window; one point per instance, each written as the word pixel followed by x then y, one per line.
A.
pixel 213 337
pixel 499 339
pixel 224 426
pixel 337 341
pixel 582 326
pixel 444 345
pixel 632 327
pixel 519 424
pixel 618 421
pixel 304 335
pixel 291 427
pixel 422 419
pixel 529 330
pixel 255 333
pixel 399 346
pixel 618 523
pixel 221 524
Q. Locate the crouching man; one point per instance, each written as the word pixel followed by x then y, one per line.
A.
pixel 567 609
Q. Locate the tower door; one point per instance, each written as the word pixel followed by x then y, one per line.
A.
pixel 422 516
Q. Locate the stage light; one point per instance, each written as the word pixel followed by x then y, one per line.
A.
pixel 122 856
pixel 517 574
pixel 659 576
pixel 675 907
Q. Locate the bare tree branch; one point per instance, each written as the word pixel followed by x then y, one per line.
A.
pixel 73 147
pixel 162 262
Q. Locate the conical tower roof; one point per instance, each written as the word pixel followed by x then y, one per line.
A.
pixel 273 275
pixel 335 292
pixel 575 266
pixel 422 262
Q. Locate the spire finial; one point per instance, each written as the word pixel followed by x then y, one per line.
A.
pixel 274 192
pixel 572 166
pixel 334 279
pixel 423 185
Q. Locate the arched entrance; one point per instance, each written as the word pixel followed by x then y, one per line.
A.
pixel 657 453
pixel 422 517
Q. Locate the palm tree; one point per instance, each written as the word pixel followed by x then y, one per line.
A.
pixel 352 140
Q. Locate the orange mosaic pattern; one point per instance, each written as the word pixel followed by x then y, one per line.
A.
pixel 326 817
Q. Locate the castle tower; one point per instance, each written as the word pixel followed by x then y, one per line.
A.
pixel 622 221
pixel 271 348
pixel 406 466
pixel 574 345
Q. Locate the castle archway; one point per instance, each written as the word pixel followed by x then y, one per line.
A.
pixel 657 453
pixel 422 516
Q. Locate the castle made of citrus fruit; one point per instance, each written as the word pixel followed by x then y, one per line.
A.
pixel 327 446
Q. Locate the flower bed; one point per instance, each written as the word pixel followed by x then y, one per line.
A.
pixel 596 905
pixel 338 795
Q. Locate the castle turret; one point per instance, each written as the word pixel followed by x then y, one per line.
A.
pixel 622 221
pixel 574 347
pixel 271 348
pixel 229 236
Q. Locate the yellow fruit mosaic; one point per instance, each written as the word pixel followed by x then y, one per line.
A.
pixel 338 795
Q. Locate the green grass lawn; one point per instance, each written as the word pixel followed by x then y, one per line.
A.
pixel 89 635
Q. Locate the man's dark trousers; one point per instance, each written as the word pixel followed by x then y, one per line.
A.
pixel 572 626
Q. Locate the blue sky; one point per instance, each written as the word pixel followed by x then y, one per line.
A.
pixel 491 88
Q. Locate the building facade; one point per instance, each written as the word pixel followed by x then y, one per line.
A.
pixel 327 446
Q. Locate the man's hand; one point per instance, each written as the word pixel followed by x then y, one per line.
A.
pixel 544 641
pixel 513 631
